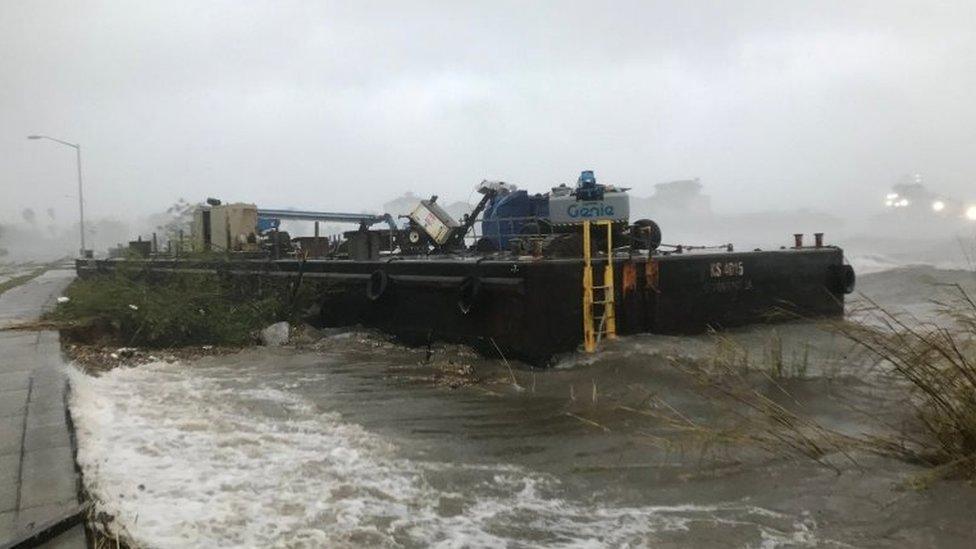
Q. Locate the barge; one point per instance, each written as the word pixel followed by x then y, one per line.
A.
pixel 553 291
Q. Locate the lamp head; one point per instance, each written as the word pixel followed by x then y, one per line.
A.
pixel 33 137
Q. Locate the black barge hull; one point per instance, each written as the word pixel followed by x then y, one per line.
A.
pixel 532 309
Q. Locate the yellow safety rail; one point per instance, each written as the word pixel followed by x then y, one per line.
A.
pixel 596 327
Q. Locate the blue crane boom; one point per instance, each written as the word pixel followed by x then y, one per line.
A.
pixel 337 217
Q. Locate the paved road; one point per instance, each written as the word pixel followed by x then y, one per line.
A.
pixel 38 480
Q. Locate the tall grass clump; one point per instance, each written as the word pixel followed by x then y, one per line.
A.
pixel 132 308
pixel 936 362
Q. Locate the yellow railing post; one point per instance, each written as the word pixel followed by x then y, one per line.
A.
pixel 589 337
pixel 609 307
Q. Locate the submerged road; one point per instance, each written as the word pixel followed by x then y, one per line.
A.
pixel 38 480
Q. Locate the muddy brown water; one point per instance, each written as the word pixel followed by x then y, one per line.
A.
pixel 355 441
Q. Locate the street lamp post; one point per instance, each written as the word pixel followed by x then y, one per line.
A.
pixel 81 200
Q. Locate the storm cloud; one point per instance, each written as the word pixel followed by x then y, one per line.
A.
pixel 343 105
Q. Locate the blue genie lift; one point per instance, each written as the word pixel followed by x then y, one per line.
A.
pixel 512 215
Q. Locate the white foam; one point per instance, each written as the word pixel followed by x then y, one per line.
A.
pixel 185 457
pixel 872 263
pixel 869 263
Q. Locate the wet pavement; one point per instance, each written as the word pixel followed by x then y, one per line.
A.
pixel 38 480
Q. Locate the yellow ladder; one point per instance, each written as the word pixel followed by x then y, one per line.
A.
pixel 604 325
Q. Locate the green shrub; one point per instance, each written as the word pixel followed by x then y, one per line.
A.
pixel 189 309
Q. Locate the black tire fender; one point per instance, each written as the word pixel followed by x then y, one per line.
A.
pixel 377 285
pixel 646 234
pixel 469 292
pixel 842 278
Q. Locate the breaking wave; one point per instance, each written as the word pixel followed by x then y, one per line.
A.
pixel 189 456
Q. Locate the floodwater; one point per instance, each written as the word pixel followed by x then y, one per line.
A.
pixel 9 271
pixel 354 441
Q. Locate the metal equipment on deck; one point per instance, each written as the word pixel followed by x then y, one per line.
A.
pixel 364 220
pixel 516 290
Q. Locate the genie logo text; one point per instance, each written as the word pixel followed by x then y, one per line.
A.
pixel 588 210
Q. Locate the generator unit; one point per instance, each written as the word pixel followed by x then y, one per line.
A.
pixel 433 220
pixel 225 227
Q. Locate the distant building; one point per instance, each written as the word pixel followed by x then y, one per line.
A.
pixel 683 195
pixel 671 199
pixel 402 205
pixel 458 209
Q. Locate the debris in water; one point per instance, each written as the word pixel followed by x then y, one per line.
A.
pixel 276 334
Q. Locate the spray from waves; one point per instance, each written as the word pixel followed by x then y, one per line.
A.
pixel 187 457
pixel 957 258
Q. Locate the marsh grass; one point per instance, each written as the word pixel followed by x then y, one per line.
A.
pixel 773 360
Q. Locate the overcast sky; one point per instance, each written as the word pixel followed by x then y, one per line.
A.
pixel 342 105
